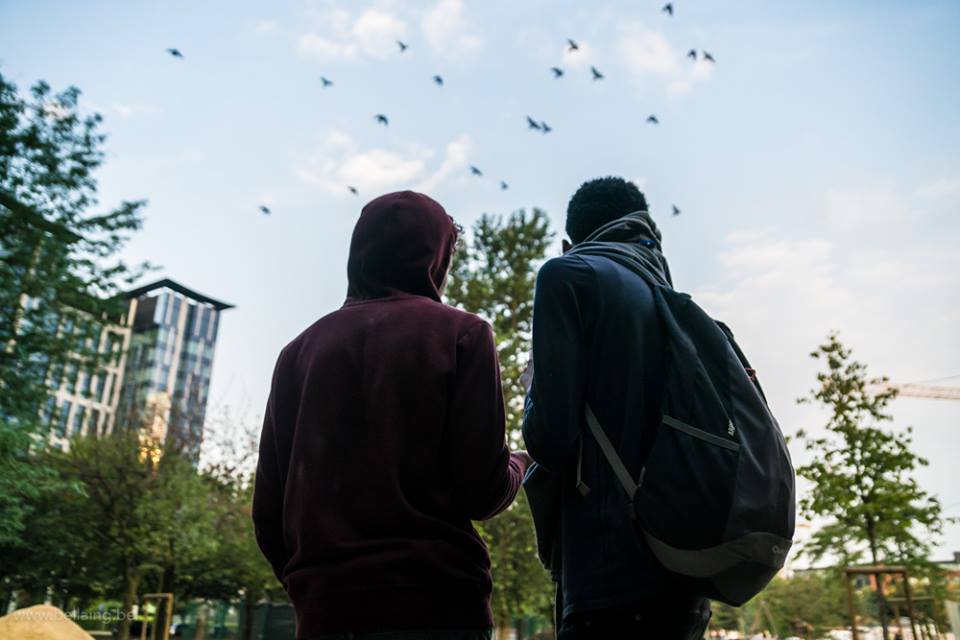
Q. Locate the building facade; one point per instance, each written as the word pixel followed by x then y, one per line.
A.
pixel 156 376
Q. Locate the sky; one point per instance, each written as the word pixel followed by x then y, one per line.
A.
pixel 816 163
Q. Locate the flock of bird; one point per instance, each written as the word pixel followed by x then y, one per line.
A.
pixel 532 123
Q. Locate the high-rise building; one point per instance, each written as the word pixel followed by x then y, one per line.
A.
pixel 157 378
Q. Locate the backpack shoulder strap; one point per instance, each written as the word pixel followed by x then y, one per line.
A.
pixel 610 453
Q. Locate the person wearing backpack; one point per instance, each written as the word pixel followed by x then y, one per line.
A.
pixel 661 478
pixel 593 315
pixel 383 438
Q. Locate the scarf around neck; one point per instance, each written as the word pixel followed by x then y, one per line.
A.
pixel 632 241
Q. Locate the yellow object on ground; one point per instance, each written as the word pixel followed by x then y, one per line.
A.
pixel 40 622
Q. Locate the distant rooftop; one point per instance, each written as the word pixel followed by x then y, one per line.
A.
pixel 167 283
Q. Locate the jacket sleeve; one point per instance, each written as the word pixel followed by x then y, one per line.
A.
pixel 271 477
pixel 554 404
pixel 486 476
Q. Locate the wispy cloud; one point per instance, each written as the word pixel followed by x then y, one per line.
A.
pixel 648 53
pixel 582 56
pixel 266 26
pixel 126 110
pixel 373 33
pixel 340 162
pixel 888 296
pixel 447 30
pixel 937 189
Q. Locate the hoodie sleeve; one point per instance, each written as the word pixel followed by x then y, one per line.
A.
pixel 486 476
pixel 271 476
pixel 554 404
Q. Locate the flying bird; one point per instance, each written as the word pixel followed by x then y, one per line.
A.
pixel 533 124
pixel 476 171
pixel 668 9
pixel 504 186
pixel 692 54
pixel 652 119
pixel 326 82
pixel 353 190
pixel 438 80
pixel 676 210
pixel 572 45
pixel 265 210
pixel 596 74
pixel 403 45
pixel 557 72
pixel 382 119
pixel 545 127
pixel 708 57
pixel 175 53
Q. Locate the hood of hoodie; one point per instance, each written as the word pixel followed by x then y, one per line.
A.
pixel 402 244
pixel 633 241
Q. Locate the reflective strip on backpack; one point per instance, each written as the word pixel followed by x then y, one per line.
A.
pixel 610 453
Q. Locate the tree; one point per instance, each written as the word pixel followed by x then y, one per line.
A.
pixel 59 274
pixel 494 276
pixel 863 475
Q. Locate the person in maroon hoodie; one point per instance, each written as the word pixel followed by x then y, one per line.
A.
pixel 383 439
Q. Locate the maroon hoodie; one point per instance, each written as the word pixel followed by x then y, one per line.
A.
pixel 383 438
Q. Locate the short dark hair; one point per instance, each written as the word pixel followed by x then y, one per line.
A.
pixel 599 201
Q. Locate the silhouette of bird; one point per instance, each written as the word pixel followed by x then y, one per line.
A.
pixel 504 186
pixel 652 119
pixel 326 82
pixel 596 74
pixel 668 9
pixel 403 45
pixel 533 124
pixel 708 57
pixel 692 54
pixel 545 127
pixel 572 45
pixel 354 191
pixel 265 210
pixel 476 171
pixel 557 72
pixel 382 119
pixel 676 210
pixel 438 80
pixel 175 53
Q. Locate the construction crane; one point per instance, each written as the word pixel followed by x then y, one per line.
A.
pixel 918 390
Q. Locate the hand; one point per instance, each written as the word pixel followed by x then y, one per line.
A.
pixel 526 378
pixel 524 458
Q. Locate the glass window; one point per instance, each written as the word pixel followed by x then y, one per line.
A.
pixel 70 375
pixel 83 384
pixel 48 414
pixel 56 375
pixel 94 426
pixel 61 426
pixel 176 309
pixel 116 347
pixel 78 416
pixel 161 309
pixel 108 389
pixel 97 391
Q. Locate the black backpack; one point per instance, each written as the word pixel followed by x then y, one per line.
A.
pixel 715 498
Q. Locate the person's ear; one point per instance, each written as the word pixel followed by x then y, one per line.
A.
pixel 566 245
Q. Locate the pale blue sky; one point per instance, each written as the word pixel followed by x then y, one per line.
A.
pixel 817 164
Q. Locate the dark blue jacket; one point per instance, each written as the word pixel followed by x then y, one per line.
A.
pixel 596 340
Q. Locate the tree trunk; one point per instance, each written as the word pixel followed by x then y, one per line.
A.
pixel 248 605
pixel 166 584
pixel 131 580
pixel 879 577
pixel 201 632
pixel 518 627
